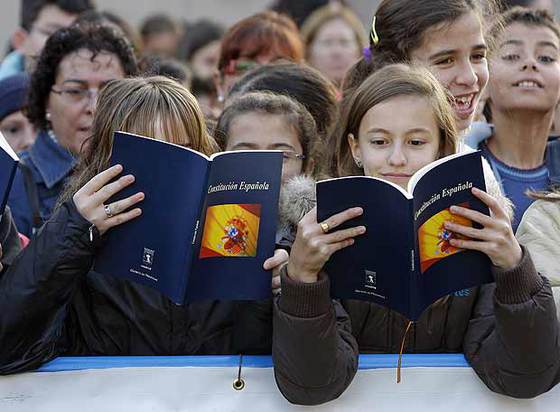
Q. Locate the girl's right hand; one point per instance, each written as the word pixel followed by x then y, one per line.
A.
pixel 90 200
pixel 315 243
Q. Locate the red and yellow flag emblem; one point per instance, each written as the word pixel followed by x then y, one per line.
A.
pixel 231 231
pixel 434 238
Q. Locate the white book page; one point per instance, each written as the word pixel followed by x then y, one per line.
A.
pixel 212 157
pixel 7 148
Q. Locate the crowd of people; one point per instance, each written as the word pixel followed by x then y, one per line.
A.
pixel 427 79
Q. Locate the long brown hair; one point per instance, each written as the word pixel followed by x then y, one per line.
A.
pixel 146 106
pixel 387 83
pixel 400 27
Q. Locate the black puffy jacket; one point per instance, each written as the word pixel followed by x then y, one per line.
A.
pixel 52 304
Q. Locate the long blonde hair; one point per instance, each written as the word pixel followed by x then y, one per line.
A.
pixel 145 106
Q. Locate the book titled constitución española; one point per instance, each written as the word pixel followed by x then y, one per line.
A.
pixel 207 223
pixel 405 260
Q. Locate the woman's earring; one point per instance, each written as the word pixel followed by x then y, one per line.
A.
pixel 48 116
pixel 358 163
pixel 221 98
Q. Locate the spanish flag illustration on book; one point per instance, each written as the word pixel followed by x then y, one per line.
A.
pixel 231 230
pixel 434 239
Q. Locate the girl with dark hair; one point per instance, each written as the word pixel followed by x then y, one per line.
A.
pixel 306 85
pixel 74 66
pixel 397 121
pixel 523 92
pixel 446 36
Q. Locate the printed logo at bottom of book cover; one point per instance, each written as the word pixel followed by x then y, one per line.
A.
pixel 231 230
pixel 434 239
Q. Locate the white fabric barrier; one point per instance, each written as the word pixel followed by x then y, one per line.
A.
pixel 210 388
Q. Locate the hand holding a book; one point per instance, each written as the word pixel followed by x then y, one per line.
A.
pixel 90 200
pixel 495 238
pixel 316 242
pixel 275 263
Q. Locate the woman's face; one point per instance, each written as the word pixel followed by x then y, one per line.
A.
pixel 334 49
pixel 73 96
pixel 260 131
pixel 18 131
pixel 525 70
pixel 396 138
pixel 456 54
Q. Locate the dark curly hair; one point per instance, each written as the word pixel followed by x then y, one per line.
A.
pixel 93 37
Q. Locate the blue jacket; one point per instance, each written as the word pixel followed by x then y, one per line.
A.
pixel 482 131
pixel 12 64
pixel 49 165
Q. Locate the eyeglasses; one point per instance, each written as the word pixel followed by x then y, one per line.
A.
pixel 75 94
pixel 288 156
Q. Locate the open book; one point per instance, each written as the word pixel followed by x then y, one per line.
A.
pixel 8 167
pixel 405 260
pixel 207 224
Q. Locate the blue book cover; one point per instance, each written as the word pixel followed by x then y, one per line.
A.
pixel 8 165
pixel 405 261
pixel 207 224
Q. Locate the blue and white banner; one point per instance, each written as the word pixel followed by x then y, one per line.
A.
pixel 429 383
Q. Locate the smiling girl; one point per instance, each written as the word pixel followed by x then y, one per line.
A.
pixel 397 121
pixel 445 36
pixel 523 91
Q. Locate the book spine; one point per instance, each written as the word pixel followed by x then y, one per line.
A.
pixel 192 248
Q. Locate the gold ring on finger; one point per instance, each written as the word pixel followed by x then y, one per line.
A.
pixel 324 227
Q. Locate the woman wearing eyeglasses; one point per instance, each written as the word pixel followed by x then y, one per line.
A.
pixel 253 41
pixel 74 65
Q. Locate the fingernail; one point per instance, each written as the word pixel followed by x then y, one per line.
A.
pixel 140 196
pixel 129 178
pixel 138 212
pixel 475 190
pixel 359 210
pixel 454 209
pixel 118 167
pixel 362 229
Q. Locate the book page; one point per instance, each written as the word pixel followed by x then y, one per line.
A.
pixel 7 148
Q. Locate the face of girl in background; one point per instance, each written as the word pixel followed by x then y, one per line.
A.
pixel 526 70
pixel 396 138
pixel 261 131
pixel 334 49
pixel 456 54
pixel 18 131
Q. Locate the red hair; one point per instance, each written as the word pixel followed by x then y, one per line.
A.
pixel 263 33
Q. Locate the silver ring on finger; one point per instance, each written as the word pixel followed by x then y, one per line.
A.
pixel 108 211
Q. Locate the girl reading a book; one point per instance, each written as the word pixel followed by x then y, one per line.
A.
pixel 52 303
pixel 394 123
pixel 267 121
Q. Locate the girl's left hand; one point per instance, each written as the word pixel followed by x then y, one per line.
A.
pixel 495 238
pixel 275 263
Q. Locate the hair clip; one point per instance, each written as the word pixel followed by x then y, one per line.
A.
pixel 373 33
pixel 367 54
